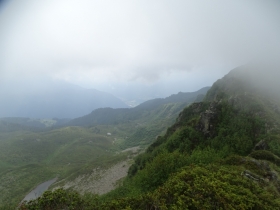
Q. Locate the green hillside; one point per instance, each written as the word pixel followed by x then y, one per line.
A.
pixel 222 153
pixel 142 123
pixel 35 150
pixel 117 116
pixel 28 158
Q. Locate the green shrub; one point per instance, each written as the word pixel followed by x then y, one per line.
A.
pixel 59 199
pixel 265 155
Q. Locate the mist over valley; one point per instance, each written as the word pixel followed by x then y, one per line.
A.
pixel 139 104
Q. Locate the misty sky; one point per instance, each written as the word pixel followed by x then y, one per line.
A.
pixel 170 46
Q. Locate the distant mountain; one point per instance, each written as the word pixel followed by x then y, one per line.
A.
pixel 141 124
pixel 53 99
pixel 144 110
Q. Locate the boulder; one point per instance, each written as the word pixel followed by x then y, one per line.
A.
pixel 261 145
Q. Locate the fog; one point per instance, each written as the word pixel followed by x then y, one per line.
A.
pixel 136 50
pixel 262 77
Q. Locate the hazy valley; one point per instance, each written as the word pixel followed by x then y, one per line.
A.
pixel 139 105
pixel 33 150
pixel 229 130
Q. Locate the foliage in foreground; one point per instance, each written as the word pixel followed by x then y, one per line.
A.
pixel 195 187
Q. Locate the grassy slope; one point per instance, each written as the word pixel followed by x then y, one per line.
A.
pixel 143 123
pixel 29 156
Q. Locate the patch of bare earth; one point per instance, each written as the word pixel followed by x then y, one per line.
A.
pixel 101 180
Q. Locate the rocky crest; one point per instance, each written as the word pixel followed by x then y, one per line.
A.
pixel 207 119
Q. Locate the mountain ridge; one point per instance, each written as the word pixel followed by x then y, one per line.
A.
pixel 125 114
pixel 54 100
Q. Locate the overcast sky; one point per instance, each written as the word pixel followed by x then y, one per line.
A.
pixel 183 44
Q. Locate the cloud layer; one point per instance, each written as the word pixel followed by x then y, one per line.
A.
pixel 127 40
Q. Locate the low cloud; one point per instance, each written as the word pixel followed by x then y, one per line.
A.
pixel 133 40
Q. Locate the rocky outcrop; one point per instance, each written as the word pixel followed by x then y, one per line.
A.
pixel 196 107
pixel 207 119
pixel 252 176
pixel 193 109
pixel 261 145
pixel 261 171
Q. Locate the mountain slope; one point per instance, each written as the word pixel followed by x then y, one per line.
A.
pixel 33 150
pixel 222 153
pixel 113 116
pixel 143 123
pixel 234 117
